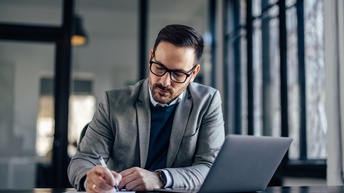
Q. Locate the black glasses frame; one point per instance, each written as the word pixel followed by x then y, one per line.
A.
pixel 188 73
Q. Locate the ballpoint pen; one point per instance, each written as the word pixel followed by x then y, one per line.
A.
pixel 104 165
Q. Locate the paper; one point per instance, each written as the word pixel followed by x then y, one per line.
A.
pixel 123 190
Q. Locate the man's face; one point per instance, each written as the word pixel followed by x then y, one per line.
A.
pixel 164 90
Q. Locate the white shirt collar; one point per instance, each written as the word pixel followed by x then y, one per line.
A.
pixel 179 98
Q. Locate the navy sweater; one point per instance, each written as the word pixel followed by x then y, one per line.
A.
pixel 161 125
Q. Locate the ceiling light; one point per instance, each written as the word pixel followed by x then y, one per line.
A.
pixel 79 36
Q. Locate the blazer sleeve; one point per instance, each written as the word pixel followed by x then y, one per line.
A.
pixel 210 139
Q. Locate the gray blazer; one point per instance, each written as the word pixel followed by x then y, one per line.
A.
pixel 120 130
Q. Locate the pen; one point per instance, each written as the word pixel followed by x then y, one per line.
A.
pixel 104 165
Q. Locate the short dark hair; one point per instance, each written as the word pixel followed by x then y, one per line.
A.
pixel 183 36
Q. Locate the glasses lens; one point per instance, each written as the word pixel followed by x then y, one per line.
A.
pixel 157 69
pixel 178 77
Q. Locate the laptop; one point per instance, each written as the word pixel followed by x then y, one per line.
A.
pixel 244 164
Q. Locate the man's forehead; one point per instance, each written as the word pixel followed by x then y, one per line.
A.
pixel 175 52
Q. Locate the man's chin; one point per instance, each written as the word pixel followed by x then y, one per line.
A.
pixel 162 100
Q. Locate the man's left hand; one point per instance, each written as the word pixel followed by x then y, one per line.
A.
pixel 138 179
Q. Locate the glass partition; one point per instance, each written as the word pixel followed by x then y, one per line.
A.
pixel 26 115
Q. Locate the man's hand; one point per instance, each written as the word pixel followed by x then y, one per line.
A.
pixel 138 179
pixel 101 180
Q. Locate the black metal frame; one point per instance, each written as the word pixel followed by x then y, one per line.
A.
pixel 143 31
pixel 249 68
pixel 212 28
pixel 62 91
pixel 302 79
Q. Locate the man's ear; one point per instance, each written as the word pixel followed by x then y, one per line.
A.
pixel 195 72
pixel 151 53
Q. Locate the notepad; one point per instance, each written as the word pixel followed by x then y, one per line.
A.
pixel 124 191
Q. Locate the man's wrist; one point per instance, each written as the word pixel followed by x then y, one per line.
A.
pixel 162 177
pixel 165 178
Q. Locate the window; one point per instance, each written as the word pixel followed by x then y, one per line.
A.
pixel 276 60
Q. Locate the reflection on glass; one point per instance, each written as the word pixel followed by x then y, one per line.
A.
pixel 82 107
pixel 293 83
pixel 315 79
pixel 81 111
pixel 45 129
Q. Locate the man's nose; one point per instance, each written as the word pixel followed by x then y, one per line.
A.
pixel 166 79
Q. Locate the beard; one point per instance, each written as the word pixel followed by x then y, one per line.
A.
pixel 164 96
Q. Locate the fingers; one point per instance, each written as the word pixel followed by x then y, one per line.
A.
pixel 106 175
pixel 138 179
pixel 131 180
pixel 127 177
pixel 101 179
pixel 117 177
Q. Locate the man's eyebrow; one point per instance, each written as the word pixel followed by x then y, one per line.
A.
pixel 178 70
pixel 156 61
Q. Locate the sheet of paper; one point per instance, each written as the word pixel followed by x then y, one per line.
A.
pixel 124 191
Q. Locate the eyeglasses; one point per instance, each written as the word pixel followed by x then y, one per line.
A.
pixel 177 76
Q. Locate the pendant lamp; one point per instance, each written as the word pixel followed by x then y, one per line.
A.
pixel 79 36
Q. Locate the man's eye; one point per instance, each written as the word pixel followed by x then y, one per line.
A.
pixel 159 67
pixel 178 74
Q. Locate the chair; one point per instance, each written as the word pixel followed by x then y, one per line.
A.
pixel 83 131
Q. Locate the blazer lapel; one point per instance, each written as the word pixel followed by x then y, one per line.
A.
pixel 143 122
pixel 178 128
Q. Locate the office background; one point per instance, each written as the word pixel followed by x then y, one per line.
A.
pixel 276 63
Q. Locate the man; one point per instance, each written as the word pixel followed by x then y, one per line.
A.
pixel 164 131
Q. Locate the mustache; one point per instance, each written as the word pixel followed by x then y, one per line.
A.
pixel 157 85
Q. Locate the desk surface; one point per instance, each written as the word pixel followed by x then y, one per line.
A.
pixel 293 189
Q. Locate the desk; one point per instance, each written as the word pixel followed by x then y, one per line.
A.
pixel 292 189
pixel 305 189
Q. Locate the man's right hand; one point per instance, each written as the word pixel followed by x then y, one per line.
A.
pixel 101 180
